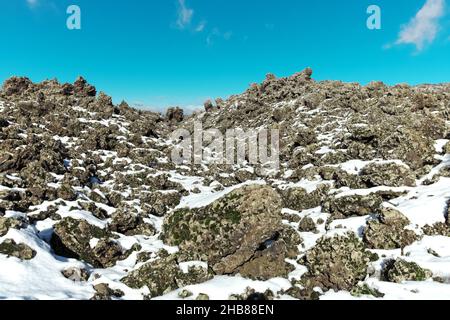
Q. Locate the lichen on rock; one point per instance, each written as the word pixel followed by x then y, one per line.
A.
pixel 19 250
pixel 164 275
pixel 401 270
pixel 353 205
pixel 388 231
pixel 387 174
pixel 337 263
pixel 72 239
pixel 7 223
pixel 232 231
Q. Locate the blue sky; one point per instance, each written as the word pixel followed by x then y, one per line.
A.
pixel 173 52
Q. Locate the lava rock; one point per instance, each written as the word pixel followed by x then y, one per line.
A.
pixel 19 250
pixel 338 263
pixel 401 270
pixel 231 231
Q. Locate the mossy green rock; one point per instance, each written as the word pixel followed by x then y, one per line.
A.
pixel 12 249
pixel 307 224
pixel 299 199
pixel 353 205
pixel 71 238
pixel 338 263
pixel 365 290
pixel 388 232
pixel 228 232
pixel 7 223
pixel 387 174
pixel 437 229
pixel 130 224
pixel 164 275
pixel 267 263
pixel 401 270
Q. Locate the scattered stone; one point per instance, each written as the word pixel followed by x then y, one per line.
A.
pixel 388 232
pixel 104 292
pixel 96 211
pixel 305 137
pixel 202 296
pixel 72 239
pixel 400 270
pixel 354 205
pixel 307 225
pixel 387 174
pixel 365 290
pixel 159 203
pixel 16 85
pixel 185 294
pixel 129 224
pixel 304 293
pixel 7 223
pixel 21 251
pixel 338 263
pixel 299 199
pixel 175 114
pixel 437 229
pixel 67 193
pixel 83 89
pixel 143 256
pixel 208 105
pixel 164 275
pixel 76 274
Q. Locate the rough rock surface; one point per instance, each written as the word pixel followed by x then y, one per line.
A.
pixel 164 275
pixel 72 239
pixel 354 205
pixel 6 223
pixel 129 224
pixel 387 174
pixel 19 250
pixel 338 263
pixel 401 270
pixel 248 220
pixel 388 232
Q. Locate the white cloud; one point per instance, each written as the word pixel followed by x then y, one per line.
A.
pixel 423 28
pixel 32 3
pixel 217 34
pixel 185 14
pixel 201 26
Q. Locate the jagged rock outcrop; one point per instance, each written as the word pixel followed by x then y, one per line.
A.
pixel 164 275
pixel 18 250
pixel 78 239
pixel 338 263
pixel 400 270
pixel 238 232
pixel 388 232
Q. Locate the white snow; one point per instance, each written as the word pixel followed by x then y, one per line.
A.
pixel 40 277
pixel 209 196
pixel 221 287
pixel 184 266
